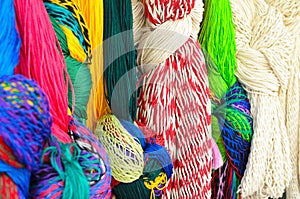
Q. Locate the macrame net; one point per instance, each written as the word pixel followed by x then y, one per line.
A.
pixel 125 154
pixel 25 118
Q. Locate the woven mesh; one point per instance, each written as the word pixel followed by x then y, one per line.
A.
pixel 24 118
pixel 125 154
pixel 236 127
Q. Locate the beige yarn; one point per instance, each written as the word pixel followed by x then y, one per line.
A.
pixel 263 53
pixel 124 153
pixel 152 46
pixel 291 17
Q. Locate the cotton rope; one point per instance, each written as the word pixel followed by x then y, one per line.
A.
pixel 291 17
pixel 264 50
pixel 174 99
pixel 41 59
pixel 125 154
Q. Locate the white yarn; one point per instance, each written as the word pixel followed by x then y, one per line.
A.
pixel 155 43
pixel 263 54
pixel 291 12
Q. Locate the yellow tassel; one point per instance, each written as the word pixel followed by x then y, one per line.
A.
pixel 92 11
pixel 161 179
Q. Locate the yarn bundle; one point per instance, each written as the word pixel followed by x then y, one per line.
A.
pixel 120 73
pixel 82 165
pixel 290 98
pixel 25 125
pixel 156 173
pixel 263 57
pixel 73 37
pixel 43 61
pixel 231 121
pixel 174 99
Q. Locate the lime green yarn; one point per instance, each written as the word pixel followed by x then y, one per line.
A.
pixel 217 37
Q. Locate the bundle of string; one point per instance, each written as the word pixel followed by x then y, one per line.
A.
pixel 25 125
pixel 263 57
pixel 156 173
pixel 97 106
pixel 120 73
pixel 124 153
pixel 174 100
pixel 67 169
pixel 10 38
pixel 231 121
pixel 67 27
pixel 290 10
pixel 87 141
pixel 41 59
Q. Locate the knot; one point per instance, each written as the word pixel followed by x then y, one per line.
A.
pixel 263 47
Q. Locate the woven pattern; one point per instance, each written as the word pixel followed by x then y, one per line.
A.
pixel 174 102
pixel 25 119
pixel 125 154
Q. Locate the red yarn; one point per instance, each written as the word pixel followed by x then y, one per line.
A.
pixel 6 155
pixel 41 59
pixel 171 9
pixel 8 188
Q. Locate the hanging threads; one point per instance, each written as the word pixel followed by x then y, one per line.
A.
pixel 174 100
pixel 25 125
pixel 124 153
pixel 231 122
pixel 92 11
pixel 263 57
pixel 120 73
pixel 78 71
pixel 291 17
pixel 41 59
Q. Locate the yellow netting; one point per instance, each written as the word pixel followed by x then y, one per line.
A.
pixel 125 154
